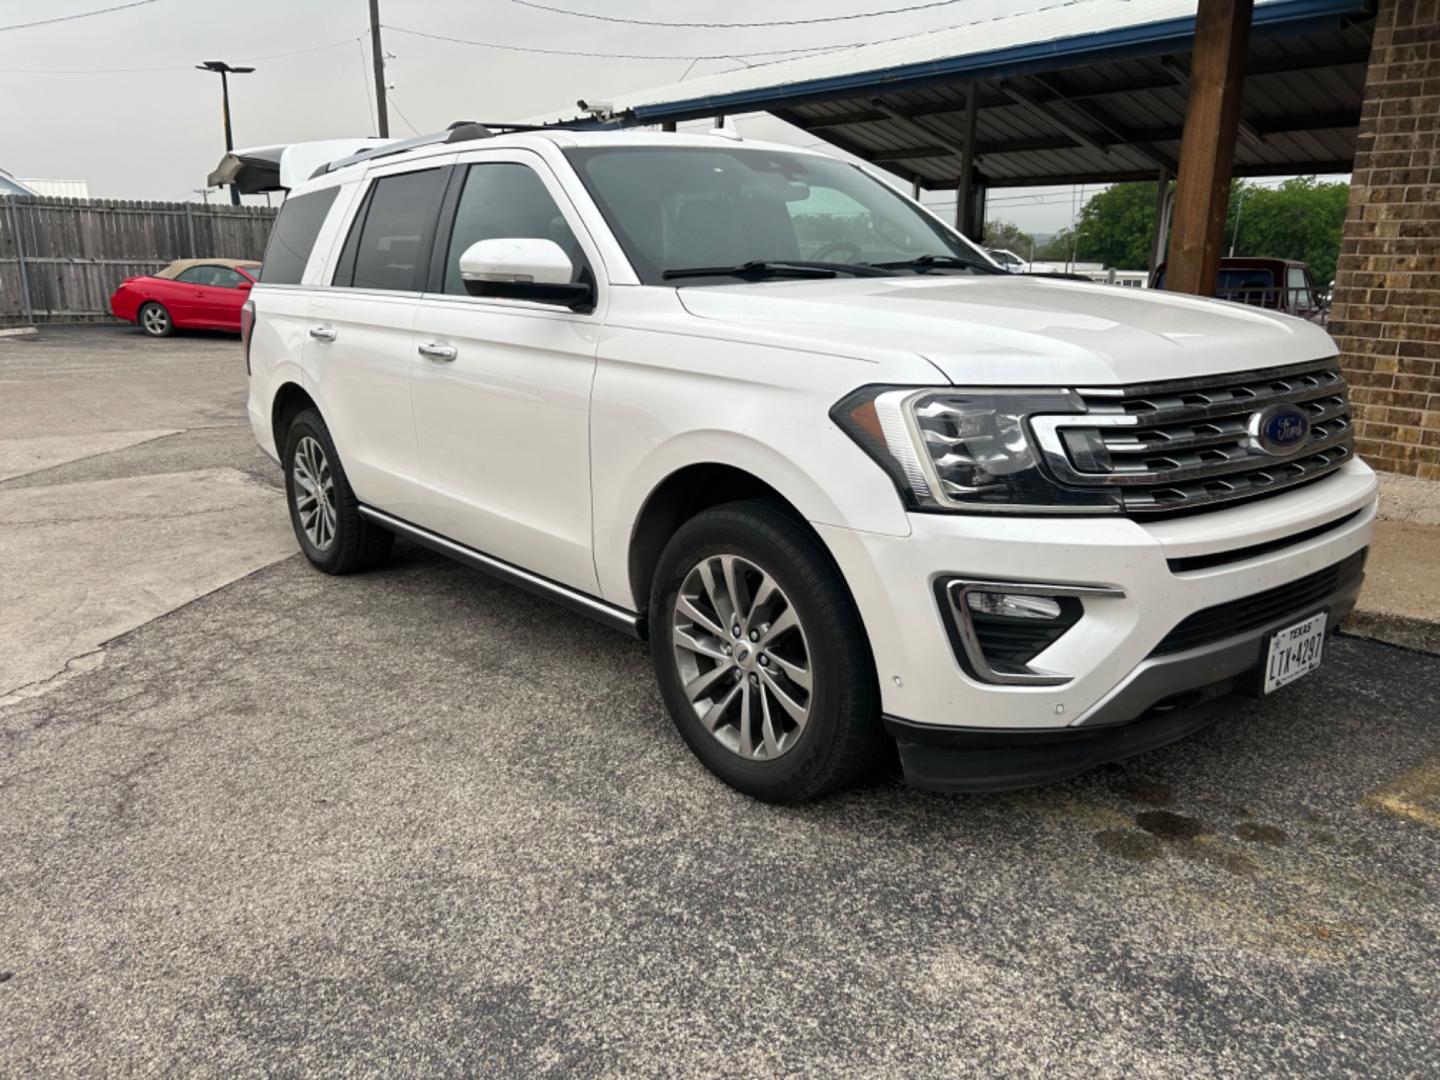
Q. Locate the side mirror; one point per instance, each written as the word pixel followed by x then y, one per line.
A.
pixel 245 286
pixel 524 269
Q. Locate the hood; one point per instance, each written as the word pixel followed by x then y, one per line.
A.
pixel 1005 329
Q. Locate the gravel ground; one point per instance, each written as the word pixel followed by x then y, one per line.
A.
pixel 417 821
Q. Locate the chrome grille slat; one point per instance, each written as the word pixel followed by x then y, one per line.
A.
pixel 1170 447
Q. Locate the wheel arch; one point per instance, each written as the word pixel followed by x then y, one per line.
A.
pixel 290 401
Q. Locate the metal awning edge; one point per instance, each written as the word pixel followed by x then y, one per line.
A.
pixel 1139 39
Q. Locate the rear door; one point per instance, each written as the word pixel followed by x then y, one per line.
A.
pixel 357 358
pixel 501 392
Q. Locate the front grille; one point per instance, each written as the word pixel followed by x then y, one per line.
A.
pixel 1166 448
pixel 1273 605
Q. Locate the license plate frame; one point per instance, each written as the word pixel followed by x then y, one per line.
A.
pixel 1293 651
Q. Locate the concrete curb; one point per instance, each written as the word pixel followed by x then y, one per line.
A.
pixel 17 331
pixel 1421 635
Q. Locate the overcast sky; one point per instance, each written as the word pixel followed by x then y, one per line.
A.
pixel 151 130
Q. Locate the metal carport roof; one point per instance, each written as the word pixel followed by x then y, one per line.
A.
pixel 1083 91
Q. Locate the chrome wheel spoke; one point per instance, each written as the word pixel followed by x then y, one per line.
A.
pixel 797 674
pixel 761 598
pixel 685 606
pixel 786 620
pixel 716 713
pixel 747 731
pixel 799 713
pixel 697 686
pixel 771 742
pixel 735 587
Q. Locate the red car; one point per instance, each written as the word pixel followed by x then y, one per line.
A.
pixel 203 294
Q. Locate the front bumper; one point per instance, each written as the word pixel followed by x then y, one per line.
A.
pixel 1164 572
pixel 1166 698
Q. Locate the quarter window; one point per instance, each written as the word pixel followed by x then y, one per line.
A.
pixel 389 242
pixel 293 236
pixel 503 201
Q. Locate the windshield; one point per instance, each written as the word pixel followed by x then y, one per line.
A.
pixel 677 209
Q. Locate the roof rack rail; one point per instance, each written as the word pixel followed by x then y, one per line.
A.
pixel 461 131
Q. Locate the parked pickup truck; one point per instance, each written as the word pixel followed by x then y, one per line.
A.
pixel 856 487
pixel 1278 284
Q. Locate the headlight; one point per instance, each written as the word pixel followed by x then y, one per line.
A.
pixel 951 449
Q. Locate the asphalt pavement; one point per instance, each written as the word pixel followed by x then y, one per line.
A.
pixel 418 822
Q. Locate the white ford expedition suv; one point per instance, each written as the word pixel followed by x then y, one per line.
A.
pixel 856 487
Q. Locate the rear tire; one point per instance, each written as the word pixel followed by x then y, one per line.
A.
pixel 788 708
pixel 323 508
pixel 154 319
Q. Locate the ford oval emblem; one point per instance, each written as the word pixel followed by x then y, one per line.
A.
pixel 1280 429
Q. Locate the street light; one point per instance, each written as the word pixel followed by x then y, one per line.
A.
pixel 224 70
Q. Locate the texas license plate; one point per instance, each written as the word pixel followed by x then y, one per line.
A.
pixel 1295 651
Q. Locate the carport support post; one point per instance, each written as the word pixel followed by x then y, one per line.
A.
pixel 1207 152
pixel 965 185
pixel 1163 206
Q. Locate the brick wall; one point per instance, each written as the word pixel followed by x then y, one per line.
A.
pixel 1386 313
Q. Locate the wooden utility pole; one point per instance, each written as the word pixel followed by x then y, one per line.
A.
pixel 377 56
pixel 1207 152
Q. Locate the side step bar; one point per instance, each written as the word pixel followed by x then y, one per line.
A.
pixel 616 618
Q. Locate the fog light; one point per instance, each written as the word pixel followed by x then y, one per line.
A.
pixel 998 628
pixel 1013 605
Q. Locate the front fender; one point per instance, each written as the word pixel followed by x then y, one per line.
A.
pixel 838 485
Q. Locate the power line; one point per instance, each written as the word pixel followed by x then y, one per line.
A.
pixel 390 98
pixel 736 25
pixel 609 56
pixel 77 15
pixel 167 67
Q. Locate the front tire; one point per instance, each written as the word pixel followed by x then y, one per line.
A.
pixel 155 319
pixel 761 657
pixel 323 508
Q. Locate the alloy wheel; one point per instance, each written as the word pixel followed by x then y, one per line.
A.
pixel 314 492
pixel 742 656
pixel 155 319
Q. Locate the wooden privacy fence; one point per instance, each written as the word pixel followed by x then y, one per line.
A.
pixel 60 259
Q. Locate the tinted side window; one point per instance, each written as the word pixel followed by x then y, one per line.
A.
pixel 195 275
pixel 391 243
pixel 502 201
pixel 294 235
pixel 223 277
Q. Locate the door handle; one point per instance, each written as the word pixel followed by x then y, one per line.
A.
pixel 437 352
pixel 322 333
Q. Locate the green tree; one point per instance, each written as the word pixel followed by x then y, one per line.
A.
pixel 1116 225
pixel 1056 249
pixel 1005 234
pixel 1301 219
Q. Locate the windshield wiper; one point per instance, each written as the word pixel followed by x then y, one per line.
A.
pixel 927 262
pixel 797 268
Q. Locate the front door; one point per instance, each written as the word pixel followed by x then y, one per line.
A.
pixel 501 388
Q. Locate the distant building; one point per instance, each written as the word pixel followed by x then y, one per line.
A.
pixel 58 189
pixel 55 189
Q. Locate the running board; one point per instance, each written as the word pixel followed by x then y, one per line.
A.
pixel 616 618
